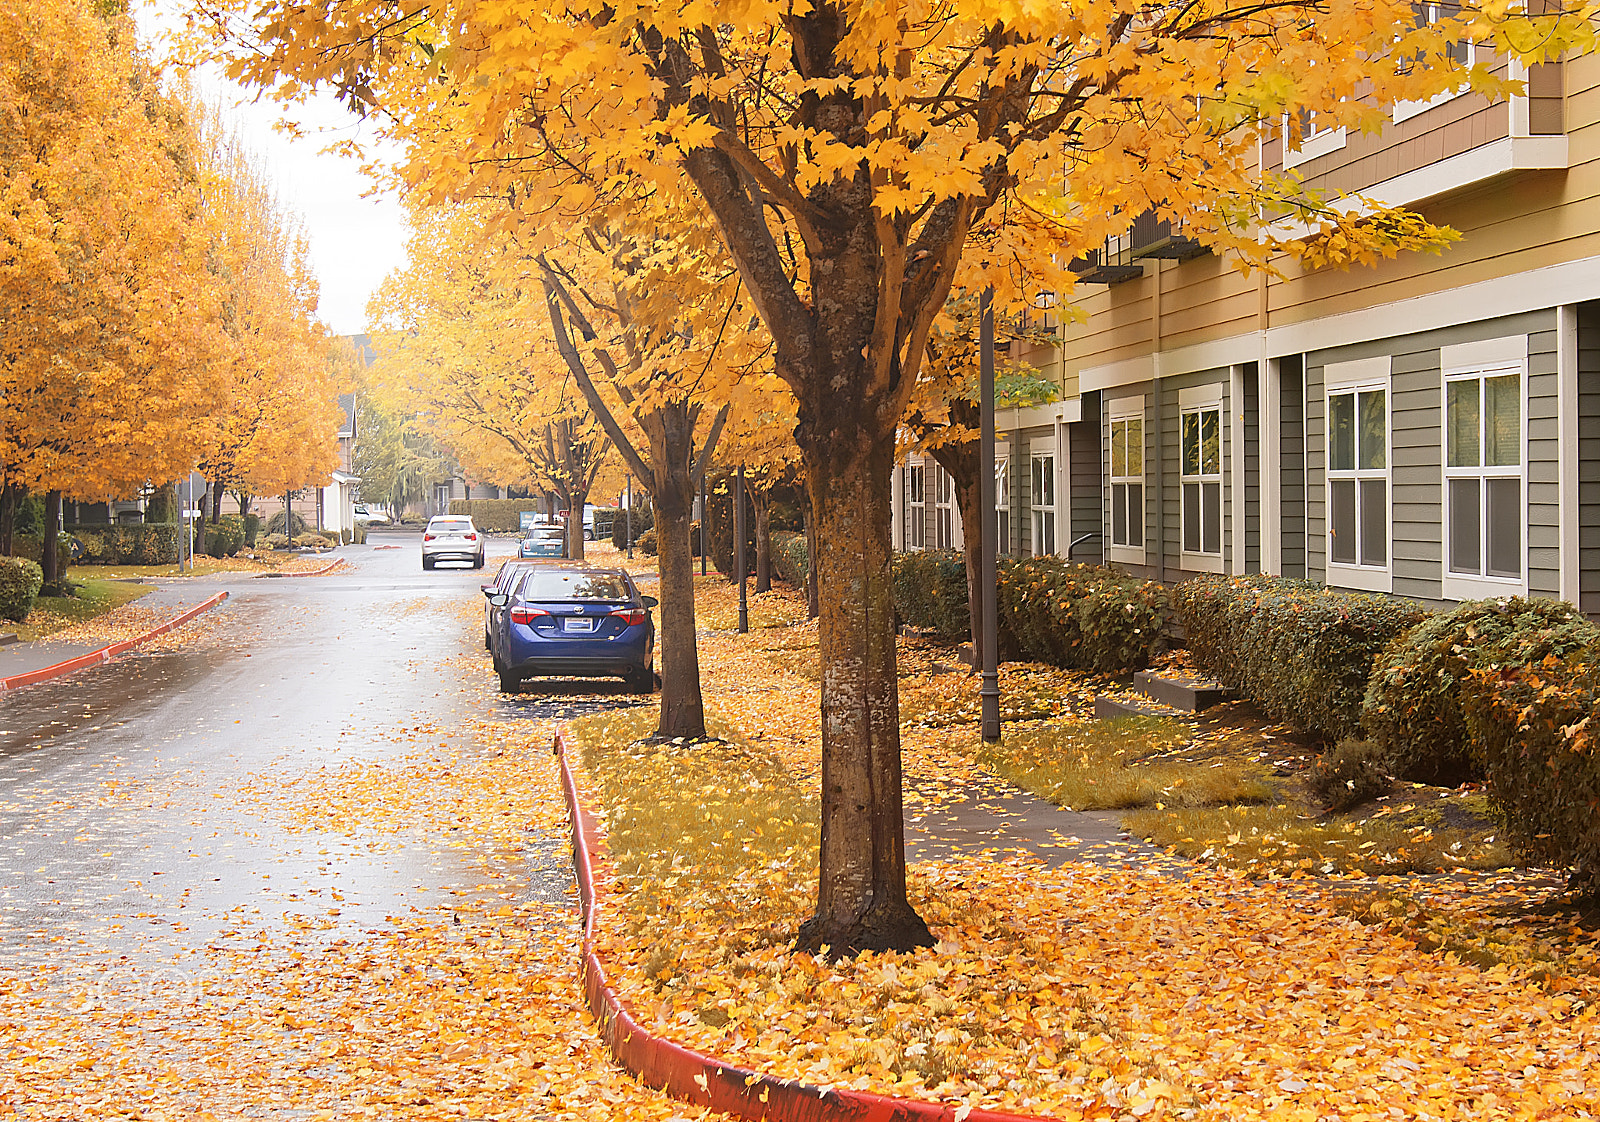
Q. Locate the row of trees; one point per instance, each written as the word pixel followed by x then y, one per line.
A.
pixel 155 308
pixel 708 192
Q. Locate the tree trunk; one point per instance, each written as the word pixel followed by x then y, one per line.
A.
pixel 8 517
pixel 861 891
pixel 960 461
pixel 813 609
pixel 575 501
pixel 216 501
pixel 50 553
pixel 763 513
pixel 682 707
pixel 244 502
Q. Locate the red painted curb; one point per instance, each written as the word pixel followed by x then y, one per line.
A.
pixel 704 1080
pixel 331 565
pixel 106 654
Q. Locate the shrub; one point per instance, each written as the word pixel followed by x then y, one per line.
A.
pixel 791 560
pixel 20 581
pixel 1350 774
pixel 495 514
pixel 1413 704
pixel 358 535
pixel 647 542
pixel 1082 617
pixel 1301 652
pixel 605 521
pixel 252 529
pixel 138 544
pixel 930 591
pixel 275 541
pixel 313 540
pixel 225 538
pixel 643 519
pixel 31 547
pixel 1534 728
pixel 275 524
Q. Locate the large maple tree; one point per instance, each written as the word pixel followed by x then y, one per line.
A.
pixel 848 153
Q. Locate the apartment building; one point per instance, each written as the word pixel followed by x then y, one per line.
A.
pixel 1428 427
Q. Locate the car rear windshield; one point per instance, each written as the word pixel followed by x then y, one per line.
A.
pixel 556 584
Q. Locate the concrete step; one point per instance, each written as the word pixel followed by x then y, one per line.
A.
pixel 7 638
pixel 1127 705
pixel 1186 693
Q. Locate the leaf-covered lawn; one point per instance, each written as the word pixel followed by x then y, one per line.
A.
pixel 52 615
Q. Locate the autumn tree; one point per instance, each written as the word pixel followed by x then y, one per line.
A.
pixel 848 152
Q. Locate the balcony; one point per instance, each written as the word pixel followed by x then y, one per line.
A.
pixel 1150 237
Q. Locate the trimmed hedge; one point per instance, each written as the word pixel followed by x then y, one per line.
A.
pixel 225 538
pixel 1302 652
pixel 20 581
pixel 139 544
pixel 644 518
pixel 275 523
pixel 1534 727
pixel 495 514
pixel 31 547
pixel 930 591
pixel 791 560
pixel 1080 617
pixel 1413 708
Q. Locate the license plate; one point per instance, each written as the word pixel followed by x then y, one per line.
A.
pixel 580 625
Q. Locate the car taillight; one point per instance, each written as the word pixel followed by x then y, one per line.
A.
pixel 472 537
pixel 527 615
pixel 427 537
pixel 630 616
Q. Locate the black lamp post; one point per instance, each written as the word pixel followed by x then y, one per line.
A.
pixel 738 547
pixel 989 691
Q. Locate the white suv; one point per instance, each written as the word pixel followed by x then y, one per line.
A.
pixel 452 537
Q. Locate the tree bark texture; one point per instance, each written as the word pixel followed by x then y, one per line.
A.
pixel 9 497
pixel 672 489
pixel 49 554
pixel 812 607
pixel 960 460
pixel 763 526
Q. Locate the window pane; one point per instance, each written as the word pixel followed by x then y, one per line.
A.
pixel 1136 514
pixel 1191 444
pixel 1374 429
pixel 1003 519
pixel 1119 514
pixel 1136 447
pixel 1049 531
pixel 1374 522
pixel 1466 531
pixel 1342 432
pixel 1211 520
pixel 1342 521
pixel 1047 472
pixel 1211 441
pixel 1502 421
pixel 1505 527
pixel 1002 483
pixel 1119 448
pixel 1461 422
pixel 1191 517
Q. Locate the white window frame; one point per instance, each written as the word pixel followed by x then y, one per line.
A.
pixel 916 506
pixel 1352 378
pixel 1463 362
pixel 1405 110
pixel 1043 514
pixel 946 523
pixel 1002 502
pixel 1123 410
pixel 1193 401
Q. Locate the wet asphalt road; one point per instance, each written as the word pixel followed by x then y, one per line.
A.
pixel 122 824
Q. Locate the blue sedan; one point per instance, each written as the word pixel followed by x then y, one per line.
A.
pixel 580 622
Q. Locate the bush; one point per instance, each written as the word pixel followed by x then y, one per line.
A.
pixel 20 581
pixel 930 591
pixel 647 542
pixel 275 524
pixel 643 519
pixel 1350 774
pixel 252 529
pixel 29 546
pixel 791 559
pixel 1301 652
pixel 605 521
pixel 138 544
pixel 1413 705
pixel 1081 617
pixel 358 536
pixel 225 538
pixel 313 540
pixel 1534 729
pixel 496 514
pixel 275 541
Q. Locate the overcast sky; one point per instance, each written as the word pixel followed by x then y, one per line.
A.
pixel 355 241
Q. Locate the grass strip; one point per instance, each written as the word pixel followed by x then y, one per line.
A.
pixel 94 598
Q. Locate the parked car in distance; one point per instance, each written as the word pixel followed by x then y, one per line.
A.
pixel 452 537
pixel 582 622
pixel 504 578
pixel 368 514
pixel 543 541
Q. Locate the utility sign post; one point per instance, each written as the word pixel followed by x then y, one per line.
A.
pixel 189 516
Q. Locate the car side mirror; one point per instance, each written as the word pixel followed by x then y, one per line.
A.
pixel 499 599
pixel 649 601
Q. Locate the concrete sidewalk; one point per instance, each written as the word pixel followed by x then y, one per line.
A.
pixel 170 599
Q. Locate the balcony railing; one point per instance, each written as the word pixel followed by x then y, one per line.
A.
pixel 1148 237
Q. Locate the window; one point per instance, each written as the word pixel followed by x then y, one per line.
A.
pixel 1044 504
pixel 1483 473
pixel 917 507
pixel 1002 504
pixel 1127 478
pixel 1358 474
pixel 1459 53
pixel 1201 478
pixel 944 509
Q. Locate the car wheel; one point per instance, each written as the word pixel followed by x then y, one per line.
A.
pixel 427 563
pixel 642 680
pixel 509 682
pixel 478 564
